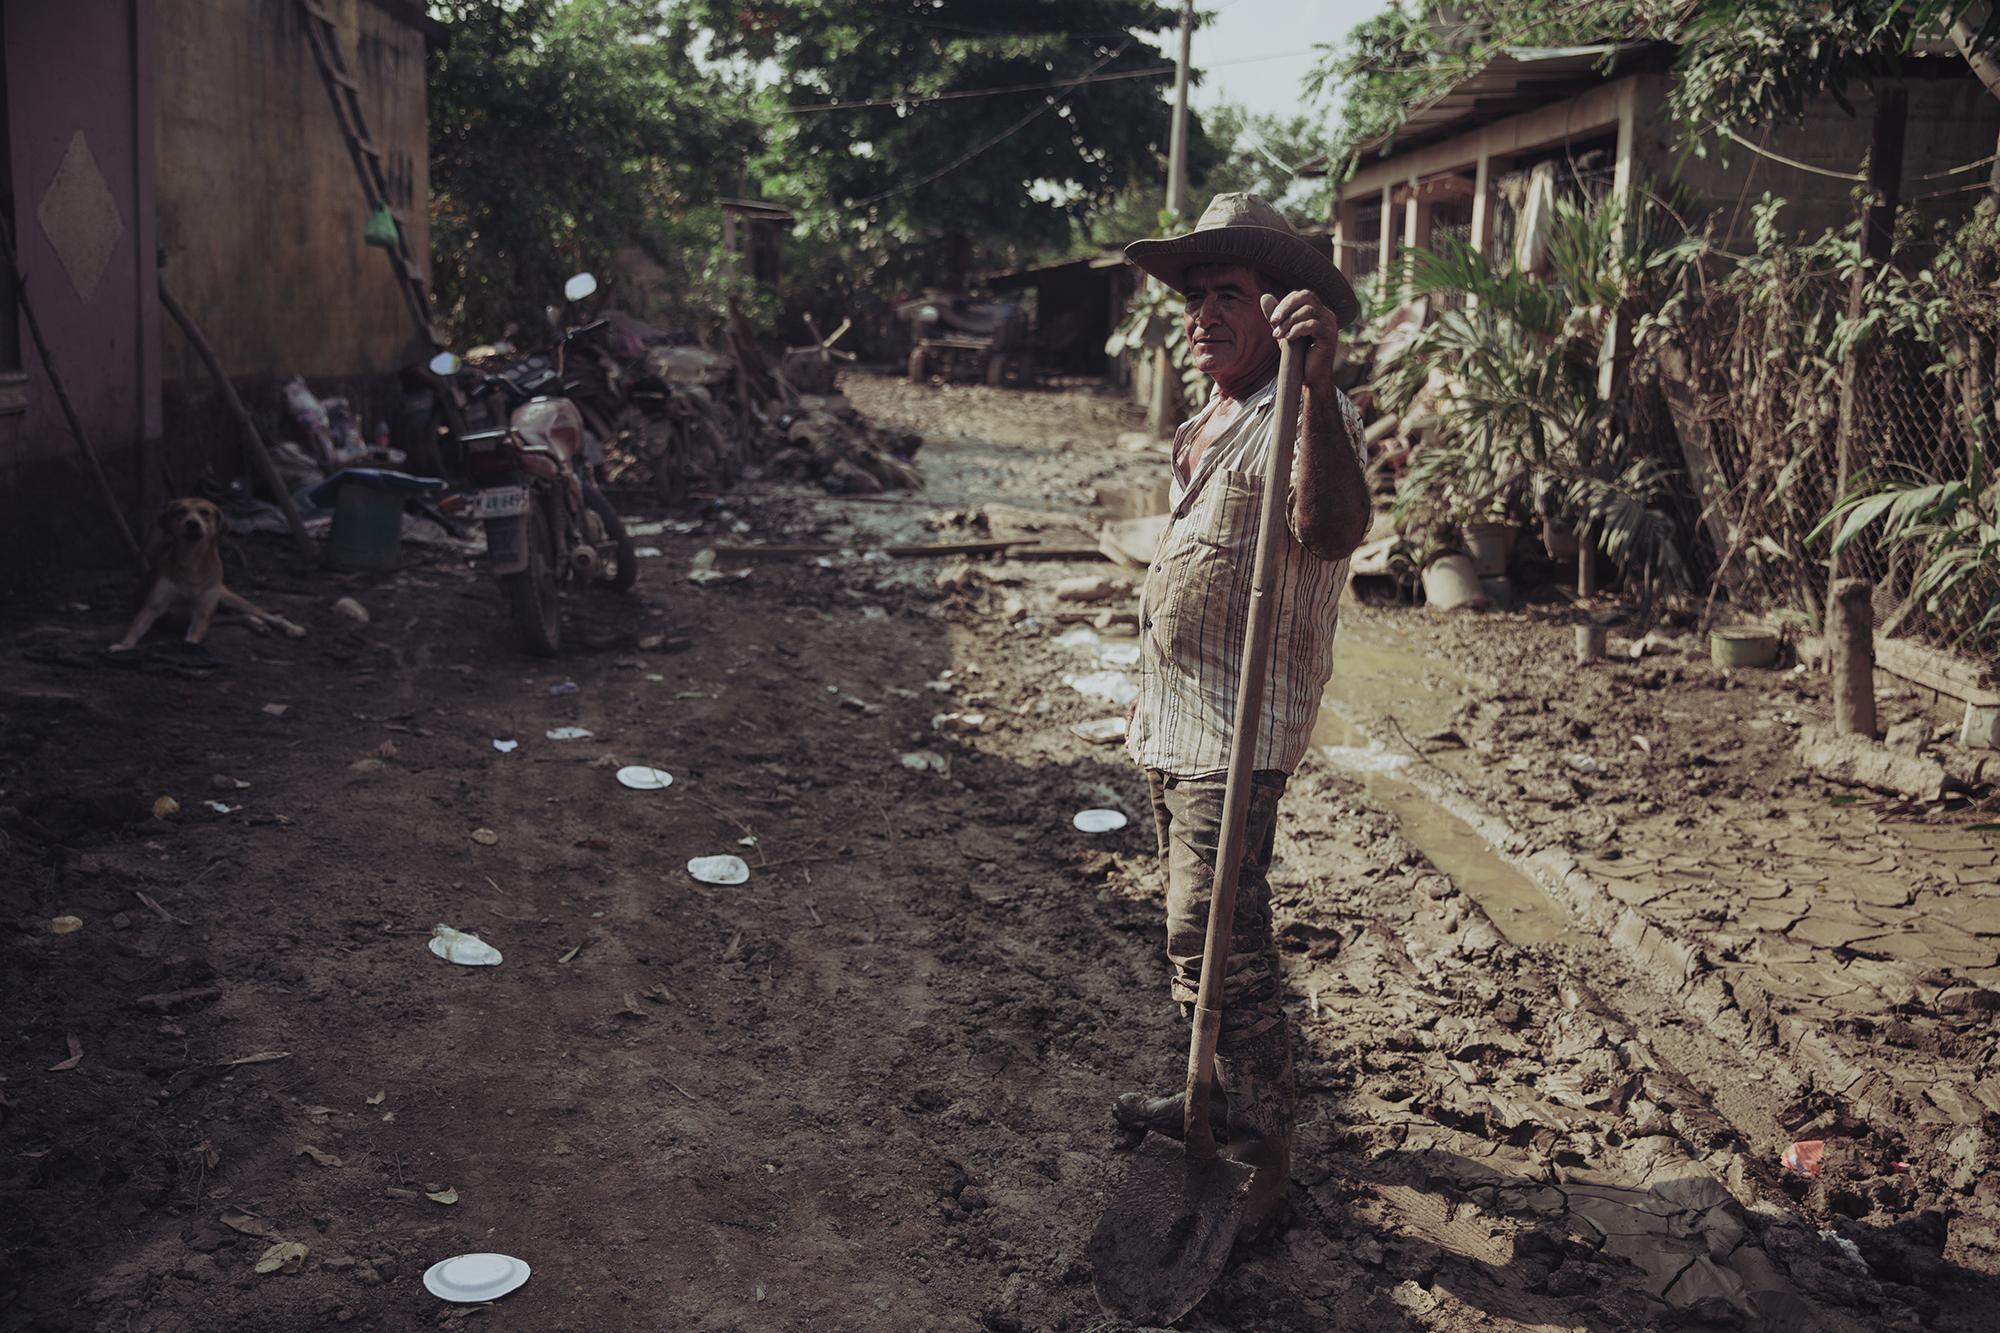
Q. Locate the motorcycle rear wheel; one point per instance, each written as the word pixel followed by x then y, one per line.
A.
pixel 532 594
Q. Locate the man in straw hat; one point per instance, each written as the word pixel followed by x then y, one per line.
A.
pixel 1249 280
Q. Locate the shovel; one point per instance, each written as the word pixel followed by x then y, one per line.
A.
pixel 1167 1233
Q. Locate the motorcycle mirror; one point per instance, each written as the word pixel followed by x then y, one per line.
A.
pixel 446 363
pixel 578 287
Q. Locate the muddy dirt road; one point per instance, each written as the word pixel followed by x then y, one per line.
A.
pixel 870 1088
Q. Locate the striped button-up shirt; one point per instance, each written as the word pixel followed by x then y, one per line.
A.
pixel 1196 607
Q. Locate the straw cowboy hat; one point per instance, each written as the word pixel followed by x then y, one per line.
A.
pixel 1243 229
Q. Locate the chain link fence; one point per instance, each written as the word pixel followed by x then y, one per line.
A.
pixel 1754 401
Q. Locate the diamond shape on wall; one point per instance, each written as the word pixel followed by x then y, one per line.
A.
pixel 80 217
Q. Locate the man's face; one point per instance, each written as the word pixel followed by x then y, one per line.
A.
pixel 1224 321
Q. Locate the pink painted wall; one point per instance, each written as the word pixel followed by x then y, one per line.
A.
pixel 83 67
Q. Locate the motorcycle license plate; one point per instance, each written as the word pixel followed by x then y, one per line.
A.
pixel 502 502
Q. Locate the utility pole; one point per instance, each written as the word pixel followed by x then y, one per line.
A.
pixel 1160 412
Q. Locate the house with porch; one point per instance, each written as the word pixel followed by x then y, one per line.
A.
pixel 1593 120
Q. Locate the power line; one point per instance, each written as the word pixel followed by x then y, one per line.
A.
pixel 1048 104
pixel 923 99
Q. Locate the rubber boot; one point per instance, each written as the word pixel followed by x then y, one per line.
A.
pixel 1257 1078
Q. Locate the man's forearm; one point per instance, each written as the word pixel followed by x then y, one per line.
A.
pixel 1330 506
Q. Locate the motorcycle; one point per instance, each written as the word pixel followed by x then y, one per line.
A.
pixel 547 523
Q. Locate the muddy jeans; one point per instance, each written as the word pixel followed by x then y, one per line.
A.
pixel 1254 1050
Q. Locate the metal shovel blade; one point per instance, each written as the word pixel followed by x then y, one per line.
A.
pixel 1167 1234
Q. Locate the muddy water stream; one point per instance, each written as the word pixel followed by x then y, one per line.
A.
pixel 1374 683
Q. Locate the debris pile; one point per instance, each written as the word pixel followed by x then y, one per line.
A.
pixel 723 411
pixel 827 440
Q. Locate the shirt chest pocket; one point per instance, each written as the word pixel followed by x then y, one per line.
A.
pixel 1223 517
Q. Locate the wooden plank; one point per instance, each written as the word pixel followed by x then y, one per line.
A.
pixel 1934 670
pixel 253 439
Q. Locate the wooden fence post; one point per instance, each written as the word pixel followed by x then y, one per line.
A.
pixel 1850 640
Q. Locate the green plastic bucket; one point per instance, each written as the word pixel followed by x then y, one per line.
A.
pixel 367 529
pixel 1743 646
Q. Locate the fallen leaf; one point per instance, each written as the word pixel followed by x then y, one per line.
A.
pixel 446 1195
pixel 386 750
pixel 255 1058
pixel 319 1115
pixel 205 1154
pixel 287 1256
pixel 65 925
pixel 75 1056
pixel 377 1099
pixel 277 710
pixel 485 837
pixel 236 1219
pixel 573 950
pixel 166 806
pixel 319 1155
pixel 658 992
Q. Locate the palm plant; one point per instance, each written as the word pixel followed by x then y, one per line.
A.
pixel 1952 527
pixel 1513 378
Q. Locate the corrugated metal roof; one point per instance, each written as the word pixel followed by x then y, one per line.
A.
pixel 1517 78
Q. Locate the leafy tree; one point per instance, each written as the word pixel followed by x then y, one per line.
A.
pixel 928 190
pixel 1229 148
pixel 1750 61
pixel 561 132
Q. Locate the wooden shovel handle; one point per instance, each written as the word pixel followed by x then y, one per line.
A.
pixel 1242 752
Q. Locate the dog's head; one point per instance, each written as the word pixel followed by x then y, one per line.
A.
pixel 190 522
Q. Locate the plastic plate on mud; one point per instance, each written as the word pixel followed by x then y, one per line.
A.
pixel 719 869
pixel 1099 821
pixel 1102 730
pixel 456 946
pixel 640 778
pixel 567 734
pixel 475 1277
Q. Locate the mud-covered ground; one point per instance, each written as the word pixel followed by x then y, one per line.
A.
pixel 869 1089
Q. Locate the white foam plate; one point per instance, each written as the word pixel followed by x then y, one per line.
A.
pixel 640 778
pixel 568 734
pixel 719 869
pixel 1102 730
pixel 1119 654
pixel 1099 821
pixel 456 946
pixel 506 747
pixel 475 1277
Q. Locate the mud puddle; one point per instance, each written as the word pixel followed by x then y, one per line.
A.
pixel 1374 679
